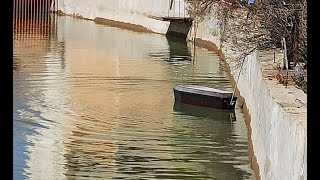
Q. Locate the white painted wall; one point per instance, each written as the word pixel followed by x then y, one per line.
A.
pixel 128 11
pixel 279 140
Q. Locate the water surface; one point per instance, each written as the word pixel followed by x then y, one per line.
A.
pixel 96 102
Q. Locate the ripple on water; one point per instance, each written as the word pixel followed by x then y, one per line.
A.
pixel 96 102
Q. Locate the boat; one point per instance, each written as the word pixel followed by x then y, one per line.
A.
pixel 204 96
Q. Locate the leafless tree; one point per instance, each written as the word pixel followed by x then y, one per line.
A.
pixel 262 25
pixel 198 9
pixel 267 23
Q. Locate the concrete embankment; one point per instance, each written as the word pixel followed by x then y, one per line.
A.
pixel 278 122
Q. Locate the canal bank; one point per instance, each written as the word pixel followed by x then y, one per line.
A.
pixel 278 114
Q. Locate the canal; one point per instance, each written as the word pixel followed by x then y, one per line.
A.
pixel 96 102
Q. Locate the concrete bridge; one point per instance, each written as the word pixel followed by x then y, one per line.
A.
pixel 180 21
pixel 179 27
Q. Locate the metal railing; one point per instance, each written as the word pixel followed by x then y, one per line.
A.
pixel 27 8
pixel 177 8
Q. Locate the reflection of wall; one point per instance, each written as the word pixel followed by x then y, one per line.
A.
pixel 39 61
pixel 25 63
pixel 46 154
pixel 225 157
pixel 112 84
pixel 30 44
pixel 101 51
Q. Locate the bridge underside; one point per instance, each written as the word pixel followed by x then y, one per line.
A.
pixel 177 19
pixel 179 26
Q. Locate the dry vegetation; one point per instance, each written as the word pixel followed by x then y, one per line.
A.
pixel 263 25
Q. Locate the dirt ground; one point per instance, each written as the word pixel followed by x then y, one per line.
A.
pixel 271 62
pixel 289 96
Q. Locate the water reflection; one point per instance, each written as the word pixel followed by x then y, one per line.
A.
pixel 179 49
pixel 208 132
pixel 204 112
pixel 39 100
pixel 92 101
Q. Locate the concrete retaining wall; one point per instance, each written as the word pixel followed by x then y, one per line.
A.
pixel 279 137
pixel 279 141
pixel 128 11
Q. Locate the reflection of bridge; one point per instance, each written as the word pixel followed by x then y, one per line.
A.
pixel 34 35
